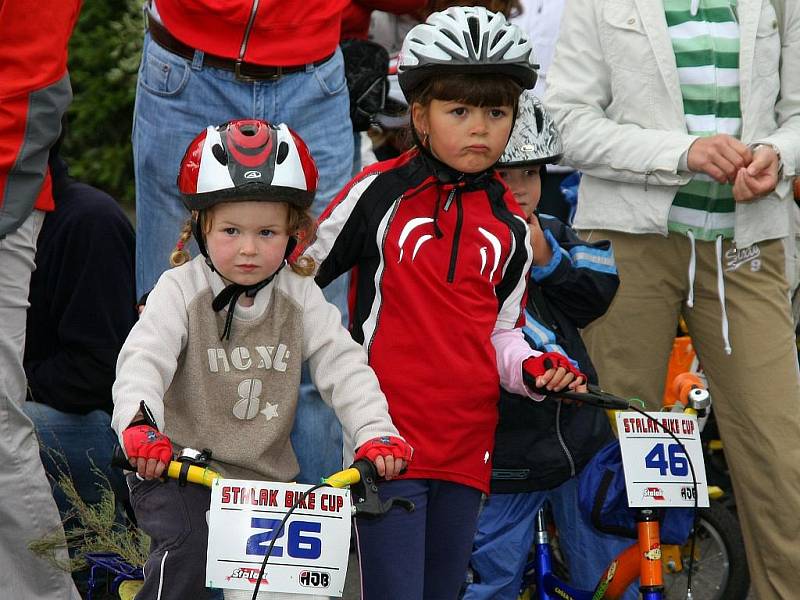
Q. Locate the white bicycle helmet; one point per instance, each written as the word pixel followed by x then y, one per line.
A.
pixel 466 39
pixel 535 139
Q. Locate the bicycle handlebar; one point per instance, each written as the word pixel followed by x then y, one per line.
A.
pixel 361 477
pixel 594 397
pixel 194 473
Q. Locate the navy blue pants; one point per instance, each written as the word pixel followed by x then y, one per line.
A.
pixel 421 555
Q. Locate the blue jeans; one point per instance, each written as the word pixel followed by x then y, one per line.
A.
pixel 75 445
pixel 506 529
pixel 176 99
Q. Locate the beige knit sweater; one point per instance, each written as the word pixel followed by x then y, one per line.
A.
pixel 238 397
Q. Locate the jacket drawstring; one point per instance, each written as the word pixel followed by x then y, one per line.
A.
pixel 692 268
pixel 720 285
pixel 694 7
pixel 721 293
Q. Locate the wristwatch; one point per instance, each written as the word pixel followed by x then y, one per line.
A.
pixel 758 145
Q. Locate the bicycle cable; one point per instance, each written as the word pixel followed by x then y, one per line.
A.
pixel 277 532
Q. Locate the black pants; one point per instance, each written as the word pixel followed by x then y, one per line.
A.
pixel 175 519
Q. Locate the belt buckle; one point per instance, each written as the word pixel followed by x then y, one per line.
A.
pixel 237 69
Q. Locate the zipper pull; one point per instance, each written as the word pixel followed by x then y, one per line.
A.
pixel 646 177
pixel 449 201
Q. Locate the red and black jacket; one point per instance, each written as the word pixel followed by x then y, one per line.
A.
pixel 441 261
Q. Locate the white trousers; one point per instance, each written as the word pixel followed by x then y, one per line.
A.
pixel 27 509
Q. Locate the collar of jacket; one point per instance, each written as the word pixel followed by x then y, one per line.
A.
pixel 447 176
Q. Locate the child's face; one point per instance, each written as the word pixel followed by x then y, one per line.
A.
pixel 247 240
pixel 467 138
pixel 526 185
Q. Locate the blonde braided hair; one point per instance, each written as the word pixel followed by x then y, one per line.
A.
pixel 180 255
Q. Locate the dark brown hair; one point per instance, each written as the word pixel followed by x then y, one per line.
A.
pixel 485 89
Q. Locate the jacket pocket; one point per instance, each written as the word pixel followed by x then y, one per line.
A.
pixel 627 44
pixel 163 73
pixel 768 41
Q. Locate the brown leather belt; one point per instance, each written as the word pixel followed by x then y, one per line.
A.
pixel 244 71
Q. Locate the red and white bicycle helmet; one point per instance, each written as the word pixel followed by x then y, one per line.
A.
pixel 247 159
pixel 466 39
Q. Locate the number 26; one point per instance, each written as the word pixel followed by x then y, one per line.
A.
pixel 298 545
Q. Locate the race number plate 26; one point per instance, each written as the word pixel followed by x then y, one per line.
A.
pixel 310 554
pixel 657 471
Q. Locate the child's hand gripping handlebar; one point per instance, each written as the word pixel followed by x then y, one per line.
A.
pixel 187 468
pixel 594 397
pixel 362 478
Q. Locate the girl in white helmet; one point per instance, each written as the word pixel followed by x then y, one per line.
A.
pixel 214 361
pixel 442 253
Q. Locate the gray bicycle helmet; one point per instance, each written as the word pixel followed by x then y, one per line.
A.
pixel 466 39
pixel 535 139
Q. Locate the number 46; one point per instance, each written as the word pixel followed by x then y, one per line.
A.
pixel 668 459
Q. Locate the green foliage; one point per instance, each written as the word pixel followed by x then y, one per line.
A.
pixel 105 50
pixel 91 528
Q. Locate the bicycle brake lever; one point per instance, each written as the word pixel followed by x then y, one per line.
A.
pixel 594 397
pixel 366 502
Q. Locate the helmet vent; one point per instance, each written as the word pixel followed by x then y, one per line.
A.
pixel 283 152
pixel 449 34
pixel 497 37
pixel 539 119
pixel 219 153
pixel 474 32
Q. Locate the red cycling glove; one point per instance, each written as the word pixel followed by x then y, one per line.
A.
pixel 536 366
pixel 383 446
pixel 144 441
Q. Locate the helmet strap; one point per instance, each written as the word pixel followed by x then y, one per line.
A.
pixel 231 293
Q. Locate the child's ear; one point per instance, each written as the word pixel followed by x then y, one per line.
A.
pixel 419 118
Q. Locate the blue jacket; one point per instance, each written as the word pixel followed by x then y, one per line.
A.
pixel 539 445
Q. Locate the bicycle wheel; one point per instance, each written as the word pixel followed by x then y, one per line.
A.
pixel 720 564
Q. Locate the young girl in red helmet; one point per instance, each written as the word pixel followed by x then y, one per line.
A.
pixel 214 361
pixel 442 256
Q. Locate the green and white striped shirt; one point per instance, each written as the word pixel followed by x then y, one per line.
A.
pixel 706 47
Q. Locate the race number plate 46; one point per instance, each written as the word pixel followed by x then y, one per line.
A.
pixel 310 553
pixel 657 472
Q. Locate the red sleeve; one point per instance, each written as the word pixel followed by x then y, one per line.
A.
pixel 34 93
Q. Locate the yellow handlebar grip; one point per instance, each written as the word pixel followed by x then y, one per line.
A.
pixel 344 478
pixel 200 475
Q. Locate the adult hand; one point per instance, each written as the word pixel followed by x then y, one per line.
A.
pixel 718 156
pixel 759 178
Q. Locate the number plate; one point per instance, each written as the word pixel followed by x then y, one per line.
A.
pixel 310 554
pixel 657 471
